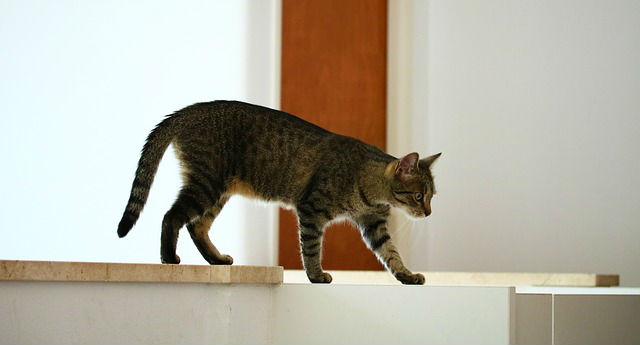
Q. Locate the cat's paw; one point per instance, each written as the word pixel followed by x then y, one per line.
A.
pixel 410 279
pixel 170 260
pixel 225 260
pixel 324 278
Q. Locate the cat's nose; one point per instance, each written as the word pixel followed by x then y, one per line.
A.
pixel 427 213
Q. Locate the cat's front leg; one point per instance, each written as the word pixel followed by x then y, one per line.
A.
pixel 375 234
pixel 311 232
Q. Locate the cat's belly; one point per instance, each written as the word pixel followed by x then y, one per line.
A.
pixel 239 187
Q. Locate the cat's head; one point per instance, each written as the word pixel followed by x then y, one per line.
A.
pixel 412 184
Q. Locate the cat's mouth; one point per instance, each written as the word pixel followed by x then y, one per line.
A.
pixel 419 213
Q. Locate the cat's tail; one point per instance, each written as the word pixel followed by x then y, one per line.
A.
pixel 152 152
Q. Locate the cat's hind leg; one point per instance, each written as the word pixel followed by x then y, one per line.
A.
pixel 188 206
pixel 199 231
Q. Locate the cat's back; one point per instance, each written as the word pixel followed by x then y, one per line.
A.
pixel 244 118
pixel 267 129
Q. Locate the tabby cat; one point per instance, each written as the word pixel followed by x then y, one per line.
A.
pixel 228 147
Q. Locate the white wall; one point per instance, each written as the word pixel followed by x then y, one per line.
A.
pixel 536 107
pixel 82 84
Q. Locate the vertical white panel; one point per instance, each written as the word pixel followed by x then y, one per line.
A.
pixel 533 319
pixel 603 319
pixel 358 314
pixel 133 313
pixel 399 91
pixel 255 242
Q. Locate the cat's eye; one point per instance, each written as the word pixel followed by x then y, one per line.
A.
pixel 419 196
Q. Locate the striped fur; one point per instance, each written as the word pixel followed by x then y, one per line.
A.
pixel 228 148
pixel 152 152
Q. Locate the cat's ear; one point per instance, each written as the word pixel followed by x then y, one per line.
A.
pixel 407 165
pixel 426 162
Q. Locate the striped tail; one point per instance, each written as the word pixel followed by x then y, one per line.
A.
pixel 152 152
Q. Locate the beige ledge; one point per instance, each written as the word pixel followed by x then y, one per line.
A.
pixel 468 278
pixel 119 272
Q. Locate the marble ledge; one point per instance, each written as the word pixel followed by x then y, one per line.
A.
pixel 18 270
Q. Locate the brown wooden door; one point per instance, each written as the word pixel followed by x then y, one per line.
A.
pixel 334 75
